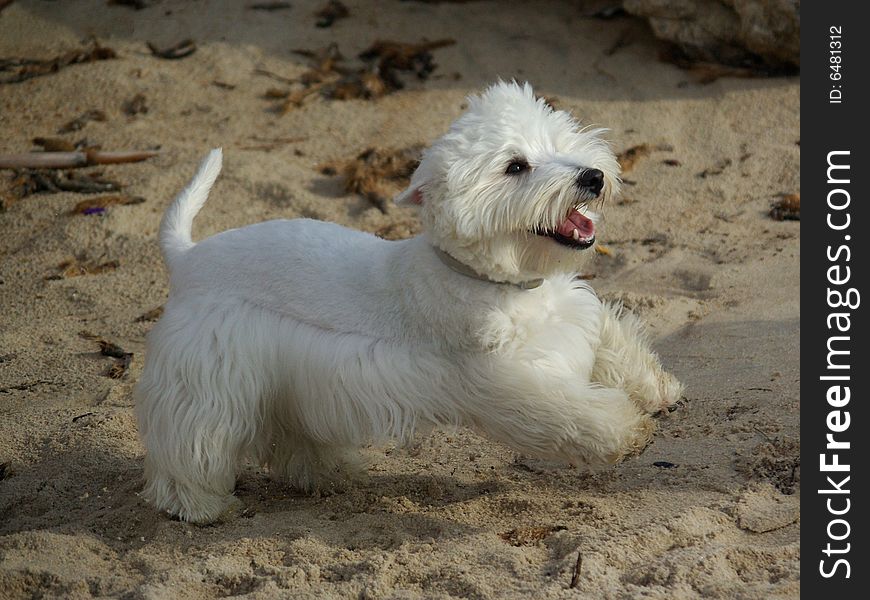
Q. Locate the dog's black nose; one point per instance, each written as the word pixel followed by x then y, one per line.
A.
pixel 592 180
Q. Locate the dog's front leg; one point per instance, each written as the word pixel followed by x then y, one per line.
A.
pixel 565 419
pixel 624 360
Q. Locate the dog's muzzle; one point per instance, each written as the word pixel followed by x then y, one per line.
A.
pixel 577 230
pixel 591 181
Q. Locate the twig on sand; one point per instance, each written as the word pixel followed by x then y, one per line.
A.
pixel 71 160
pixel 575 576
pixel 274 76
pixel 134 4
pixel 83 119
pixel 271 143
pixel 180 50
pixel 269 6
pixel 16 70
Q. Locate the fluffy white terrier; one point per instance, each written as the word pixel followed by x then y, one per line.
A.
pixel 296 342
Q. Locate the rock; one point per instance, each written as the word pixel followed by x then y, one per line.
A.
pixel 736 32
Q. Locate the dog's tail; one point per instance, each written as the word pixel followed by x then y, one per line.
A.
pixel 177 222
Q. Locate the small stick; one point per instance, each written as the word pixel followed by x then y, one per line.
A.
pixel 71 160
pixel 180 50
pixel 575 576
pixel 275 76
pixel 269 6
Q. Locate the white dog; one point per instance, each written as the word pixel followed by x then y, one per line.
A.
pixel 296 342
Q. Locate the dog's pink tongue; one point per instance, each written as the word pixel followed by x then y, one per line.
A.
pixel 576 220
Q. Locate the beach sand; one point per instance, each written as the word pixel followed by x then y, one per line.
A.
pixel 710 509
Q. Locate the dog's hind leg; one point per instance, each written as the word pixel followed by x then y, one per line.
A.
pixel 195 500
pixel 197 417
pixel 190 469
pixel 308 465
pixel 293 457
pixel 624 360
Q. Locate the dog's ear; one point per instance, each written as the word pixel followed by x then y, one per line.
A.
pixel 411 196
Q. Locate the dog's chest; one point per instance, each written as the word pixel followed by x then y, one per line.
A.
pixel 555 327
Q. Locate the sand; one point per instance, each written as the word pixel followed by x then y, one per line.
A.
pixel 711 509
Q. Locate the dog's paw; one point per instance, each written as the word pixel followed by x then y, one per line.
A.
pixel 642 439
pixel 659 394
pixel 670 391
pixel 214 510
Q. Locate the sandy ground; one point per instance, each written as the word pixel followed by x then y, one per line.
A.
pixel 454 515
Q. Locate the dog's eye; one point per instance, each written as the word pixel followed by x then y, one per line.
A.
pixel 517 166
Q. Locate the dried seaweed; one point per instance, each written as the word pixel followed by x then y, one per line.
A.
pixel 76 268
pixel 121 365
pixel 787 208
pixel 716 169
pixel 529 536
pixel 297 97
pixel 324 64
pixel 182 49
pixel 361 84
pixel 378 77
pixel 377 174
pixel 135 105
pixel 33 181
pixel 628 158
pixel 98 205
pixel 330 13
pixel 83 119
pixel 27 385
pixel 151 315
pixel 119 368
pixel 16 70
pixel 397 56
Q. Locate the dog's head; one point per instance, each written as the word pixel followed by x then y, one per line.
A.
pixel 506 190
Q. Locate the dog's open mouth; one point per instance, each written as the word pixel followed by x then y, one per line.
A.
pixel 576 231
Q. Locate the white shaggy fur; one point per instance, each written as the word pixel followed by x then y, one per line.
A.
pixel 296 342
